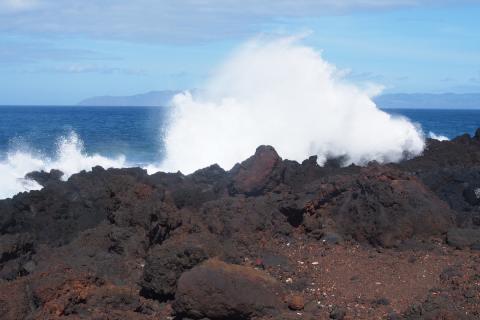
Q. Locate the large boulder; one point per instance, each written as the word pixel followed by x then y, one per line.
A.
pixel 218 290
pixel 165 264
pixel 257 173
pixel 381 206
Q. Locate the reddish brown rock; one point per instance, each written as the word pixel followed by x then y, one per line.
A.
pixel 253 175
pixel 218 290
pixel 296 302
pixel 122 244
pixel 15 300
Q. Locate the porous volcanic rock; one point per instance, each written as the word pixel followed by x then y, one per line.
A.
pixel 166 263
pixel 255 174
pixel 217 290
pixel 382 206
pixel 238 244
pixel 44 178
pixel 464 238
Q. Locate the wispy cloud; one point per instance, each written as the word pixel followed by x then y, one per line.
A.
pixel 365 77
pixel 174 20
pixel 34 51
pixel 93 68
pixel 12 6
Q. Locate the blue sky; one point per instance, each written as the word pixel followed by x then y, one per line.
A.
pixel 61 51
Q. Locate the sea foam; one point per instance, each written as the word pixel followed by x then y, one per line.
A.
pixel 282 93
pixel 70 158
pixel 439 137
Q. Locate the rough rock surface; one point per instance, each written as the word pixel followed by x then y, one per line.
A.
pixel 218 290
pixel 269 239
pixel 464 238
pixel 166 263
pixel 257 173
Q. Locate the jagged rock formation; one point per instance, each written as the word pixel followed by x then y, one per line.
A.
pixel 269 239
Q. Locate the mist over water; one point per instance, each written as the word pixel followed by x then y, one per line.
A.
pixel 282 93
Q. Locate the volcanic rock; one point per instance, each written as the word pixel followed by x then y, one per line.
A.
pixel 122 244
pixel 338 313
pixel 463 238
pixel 217 290
pixel 165 264
pixel 381 206
pixel 472 194
pixel 296 302
pixel 13 246
pixel 255 174
pixel 44 178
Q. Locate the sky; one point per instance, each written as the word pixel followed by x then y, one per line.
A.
pixel 58 52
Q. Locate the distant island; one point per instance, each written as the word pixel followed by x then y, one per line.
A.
pixel 149 99
pixel 386 101
pixel 429 101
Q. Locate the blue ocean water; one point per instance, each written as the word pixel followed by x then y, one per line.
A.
pixel 136 131
pixel 111 131
pixel 449 123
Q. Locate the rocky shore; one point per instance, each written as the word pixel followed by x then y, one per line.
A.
pixel 269 239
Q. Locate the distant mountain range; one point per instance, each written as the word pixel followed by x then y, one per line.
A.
pixel 429 101
pixel 149 99
pixel 387 101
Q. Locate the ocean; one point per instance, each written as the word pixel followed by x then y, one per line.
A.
pixel 448 123
pixel 110 131
pixel 135 132
pixel 76 138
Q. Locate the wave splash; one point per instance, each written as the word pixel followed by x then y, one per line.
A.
pixel 281 93
pixel 70 158
pixel 276 92
pixel 439 137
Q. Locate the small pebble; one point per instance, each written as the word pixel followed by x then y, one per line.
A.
pixel 296 302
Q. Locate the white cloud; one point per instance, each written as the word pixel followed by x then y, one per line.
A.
pixel 174 20
pixel 12 6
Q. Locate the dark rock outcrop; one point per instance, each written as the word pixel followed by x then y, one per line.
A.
pixel 165 264
pixel 45 178
pixel 464 238
pixel 122 244
pixel 384 207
